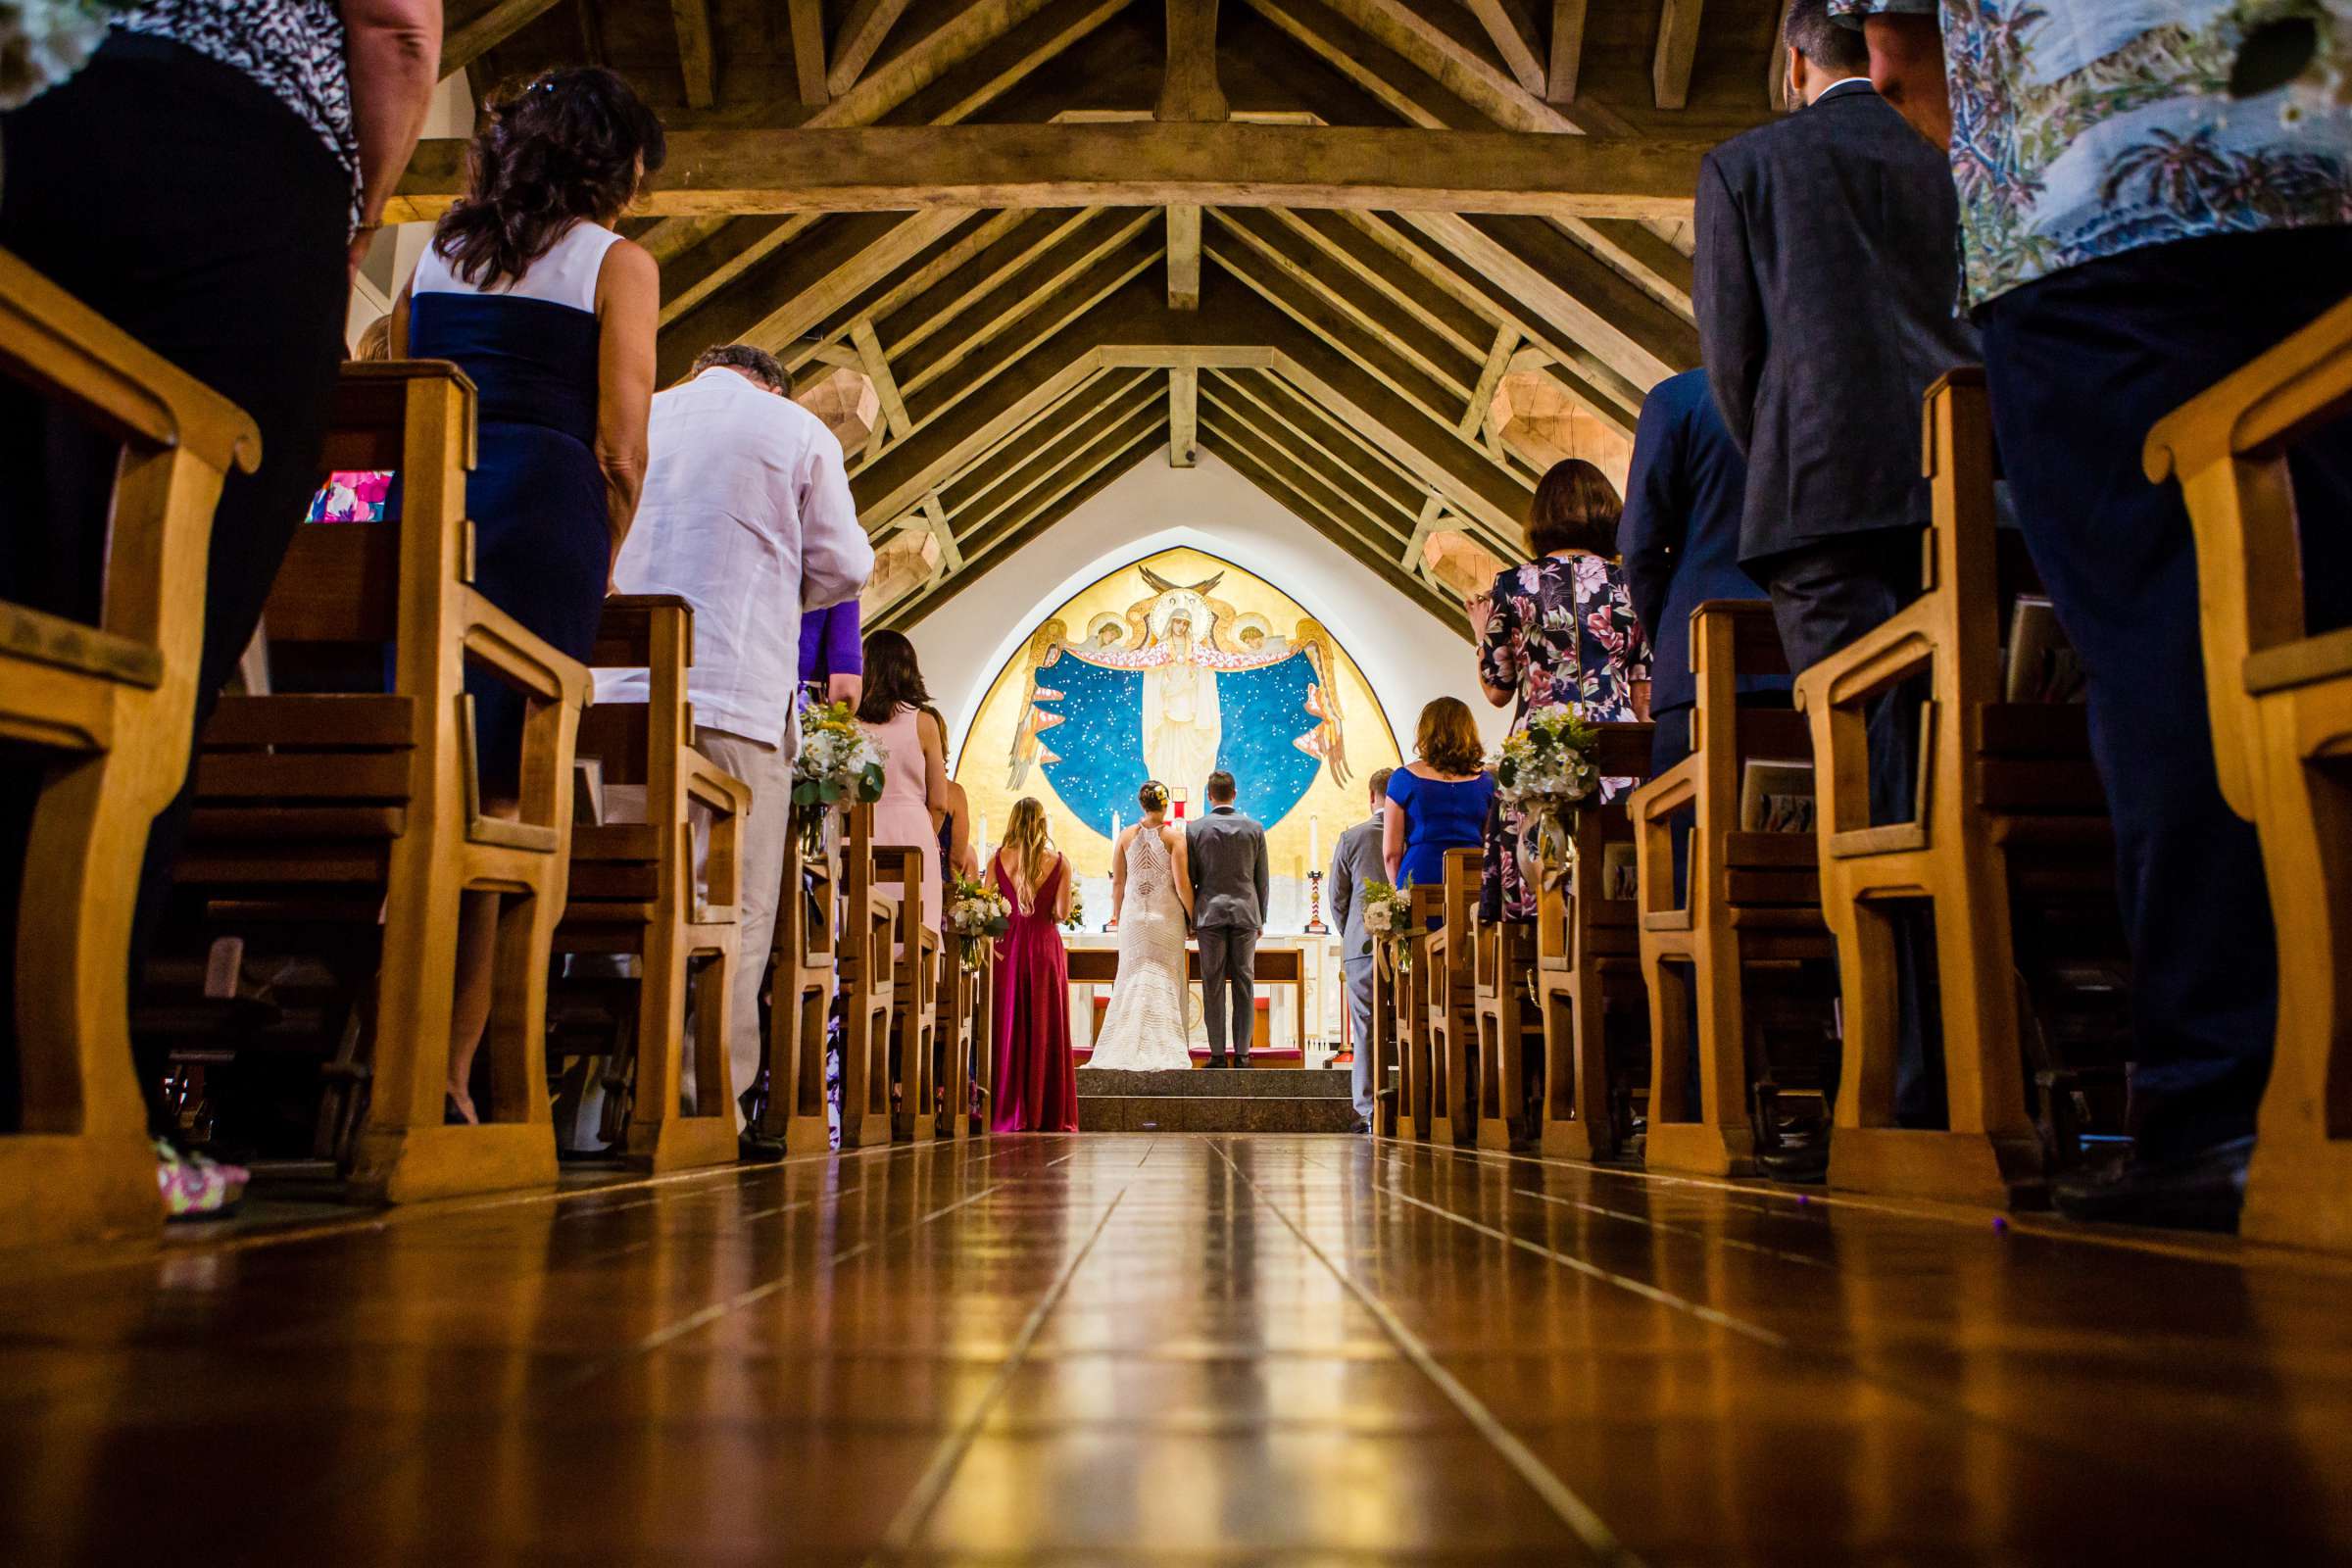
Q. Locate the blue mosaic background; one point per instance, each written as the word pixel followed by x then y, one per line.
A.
pixel 1100 739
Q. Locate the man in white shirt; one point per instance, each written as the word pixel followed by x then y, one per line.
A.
pixel 747 516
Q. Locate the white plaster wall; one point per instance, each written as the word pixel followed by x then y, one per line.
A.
pixel 1403 652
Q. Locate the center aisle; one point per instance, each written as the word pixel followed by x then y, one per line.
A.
pixel 1142 1349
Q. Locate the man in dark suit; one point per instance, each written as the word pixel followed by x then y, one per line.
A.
pixel 1827 274
pixel 1230 894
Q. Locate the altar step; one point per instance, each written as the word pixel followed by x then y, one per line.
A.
pixel 1209 1101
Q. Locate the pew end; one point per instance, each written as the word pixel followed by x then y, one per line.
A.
pixel 2280 698
pixel 117 699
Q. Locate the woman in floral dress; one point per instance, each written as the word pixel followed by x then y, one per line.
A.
pixel 1559 629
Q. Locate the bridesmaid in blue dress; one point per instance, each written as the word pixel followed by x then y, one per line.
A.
pixel 1437 802
pixel 552 316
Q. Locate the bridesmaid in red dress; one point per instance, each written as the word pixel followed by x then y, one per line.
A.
pixel 1036 1080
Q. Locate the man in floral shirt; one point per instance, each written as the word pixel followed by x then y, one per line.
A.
pixel 2151 195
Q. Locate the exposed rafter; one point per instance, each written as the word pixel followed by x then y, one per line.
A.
pixel 861 33
pixel 879 167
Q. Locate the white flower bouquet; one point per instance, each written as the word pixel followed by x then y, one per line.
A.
pixel 42 42
pixel 976 912
pixel 1389 919
pixel 1075 920
pixel 839 765
pixel 1545 771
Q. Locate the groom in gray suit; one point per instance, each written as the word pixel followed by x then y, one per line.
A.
pixel 1357 861
pixel 1228 855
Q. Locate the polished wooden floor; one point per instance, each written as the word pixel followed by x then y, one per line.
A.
pixel 1146 1350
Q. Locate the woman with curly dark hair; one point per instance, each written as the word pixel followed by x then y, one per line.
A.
pixel 1438 801
pixel 552 314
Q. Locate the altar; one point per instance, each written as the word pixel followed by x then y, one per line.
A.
pixel 1301 1005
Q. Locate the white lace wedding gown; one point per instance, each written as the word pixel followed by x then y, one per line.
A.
pixel 1143 1028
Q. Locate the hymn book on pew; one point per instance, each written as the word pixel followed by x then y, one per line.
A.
pixel 1776 796
pixel 2043 666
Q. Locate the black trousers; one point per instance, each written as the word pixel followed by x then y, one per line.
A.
pixel 2079 365
pixel 178 198
pixel 1825 596
pixel 1229 987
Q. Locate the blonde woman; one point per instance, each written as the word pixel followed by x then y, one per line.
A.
pixel 1037 1085
pixel 1150 898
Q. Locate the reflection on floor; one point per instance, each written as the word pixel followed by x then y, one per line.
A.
pixel 1143 1349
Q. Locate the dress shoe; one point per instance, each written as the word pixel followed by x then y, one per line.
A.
pixel 1361 1127
pixel 1808 1162
pixel 753 1150
pixel 2201 1192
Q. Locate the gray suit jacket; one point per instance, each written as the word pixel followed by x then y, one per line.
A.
pixel 1355 861
pixel 1827 281
pixel 1228 852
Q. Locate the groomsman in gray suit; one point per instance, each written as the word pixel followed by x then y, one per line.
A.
pixel 1355 861
pixel 1230 892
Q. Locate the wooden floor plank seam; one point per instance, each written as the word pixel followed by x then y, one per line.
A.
pixel 1582 1519
pixel 907 1525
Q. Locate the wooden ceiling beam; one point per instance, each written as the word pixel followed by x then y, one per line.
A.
pixel 1603 391
pixel 1184 416
pixel 1189 90
pixel 807 18
pixel 942 274
pixel 1148 164
pixel 805 286
pixel 1393 49
pixel 715 258
pixel 1481 396
pixel 861 37
pixel 1183 257
pixel 1109 432
pixel 698 51
pixel 1297 259
pixel 1352 523
pixel 1513 29
pixel 886 384
pixel 1030 289
pixel 1265 473
pixel 1105 400
pixel 1277 401
pixel 1226 401
pixel 1567 54
pixel 1340 243
pixel 1049 513
pixel 1370 352
pixel 493 26
pixel 1677 52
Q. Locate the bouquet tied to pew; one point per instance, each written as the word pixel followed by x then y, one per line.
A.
pixel 1076 919
pixel 976 914
pixel 1389 921
pixel 1547 769
pixel 839 765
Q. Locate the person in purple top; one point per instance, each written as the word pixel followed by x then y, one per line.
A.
pixel 833 655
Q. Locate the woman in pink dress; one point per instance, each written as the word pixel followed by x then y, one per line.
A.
pixel 915 777
pixel 1036 1078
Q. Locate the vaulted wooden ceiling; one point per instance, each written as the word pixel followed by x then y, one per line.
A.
pixel 1388 260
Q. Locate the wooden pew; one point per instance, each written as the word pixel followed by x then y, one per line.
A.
pixel 2282 706
pixel 1390 1112
pixel 1508 1020
pixel 800 996
pixel 912 1096
pixel 117 698
pixel 332 805
pixel 868 968
pixel 1753 898
pixel 1408 1001
pixel 967 1037
pixel 1451 1003
pixel 634 889
pixel 1997 781
pixel 1586 964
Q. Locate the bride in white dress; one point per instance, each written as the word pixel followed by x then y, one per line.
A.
pixel 1150 898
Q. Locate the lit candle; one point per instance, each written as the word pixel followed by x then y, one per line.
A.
pixel 982 826
pixel 1114 827
pixel 1314 841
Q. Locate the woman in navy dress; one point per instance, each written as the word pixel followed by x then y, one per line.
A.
pixel 551 315
pixel 1438 801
